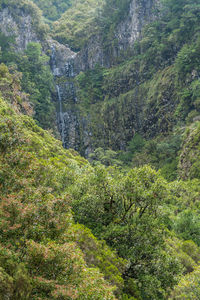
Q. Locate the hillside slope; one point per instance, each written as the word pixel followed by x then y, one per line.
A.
pixel 127 225
pixel 40 255
pixel 44 254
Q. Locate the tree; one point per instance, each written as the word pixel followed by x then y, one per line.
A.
pixel 188 288
pixel 125 211
pixel 37 81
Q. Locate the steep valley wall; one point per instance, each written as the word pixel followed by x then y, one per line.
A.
pixel 108 124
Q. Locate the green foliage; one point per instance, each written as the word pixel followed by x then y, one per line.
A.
pixel 5 51
pixel 112 12
pixel 98 254
pixel 187 59
pixel 187 252
pixel 6 284
pixel 124 210
pixel 151 88
pixel 189 159
pixel 135 145
pixel 162 153
pixel 89 86
pixel 28 8
pixel 105 157
pixel 188 287
pixel 187 65
pixel 77 24
pixel 187 226
pixel 39 252
pixel 37 81
pixel 11 90
pixel 53 9
pixel 151 224
pixel 184 214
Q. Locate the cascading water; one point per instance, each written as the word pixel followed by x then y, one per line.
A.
pixel 61 115
pixel 62 65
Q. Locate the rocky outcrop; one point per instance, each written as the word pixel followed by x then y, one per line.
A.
pixel 92 54
pixel 62 59
pixel 72 126
pixel 66 65
pixel 141 12
pixel 62 66
pixel 20 27
pixel 20 24
pixel 75 129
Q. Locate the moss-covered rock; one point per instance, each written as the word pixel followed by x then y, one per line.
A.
pixel 189 164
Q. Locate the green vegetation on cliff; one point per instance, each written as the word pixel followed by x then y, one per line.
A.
pixel 151 90
pixel 127 229
pixel 33 64
pixel 37 79
pixel 43 254
pixel 78 23
pixel 137 214
pixel 53 9
pixel 20 8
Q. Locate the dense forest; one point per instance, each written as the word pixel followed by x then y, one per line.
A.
pixel 118 216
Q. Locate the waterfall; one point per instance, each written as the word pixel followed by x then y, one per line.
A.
pixel 54 68
pixel 61 116
pixel 62 66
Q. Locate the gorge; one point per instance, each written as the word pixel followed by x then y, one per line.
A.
pixel 99 149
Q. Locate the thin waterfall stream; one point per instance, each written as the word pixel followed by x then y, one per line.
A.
pixel 62 66
pixel 61 113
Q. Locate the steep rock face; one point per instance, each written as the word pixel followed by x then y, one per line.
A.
pixel 93 53
pixel 141 12
pixel 63 70
pixel 72 126
pixel 20 24
pixel 62 59
pixel 21 27
pixel 78 131
pixel 76 128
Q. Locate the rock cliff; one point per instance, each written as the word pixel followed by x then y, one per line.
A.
pixel 75 126
pixel 141 12
pixel 128 31
pixel 76 130
pixel 62 65
pixel 23 24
